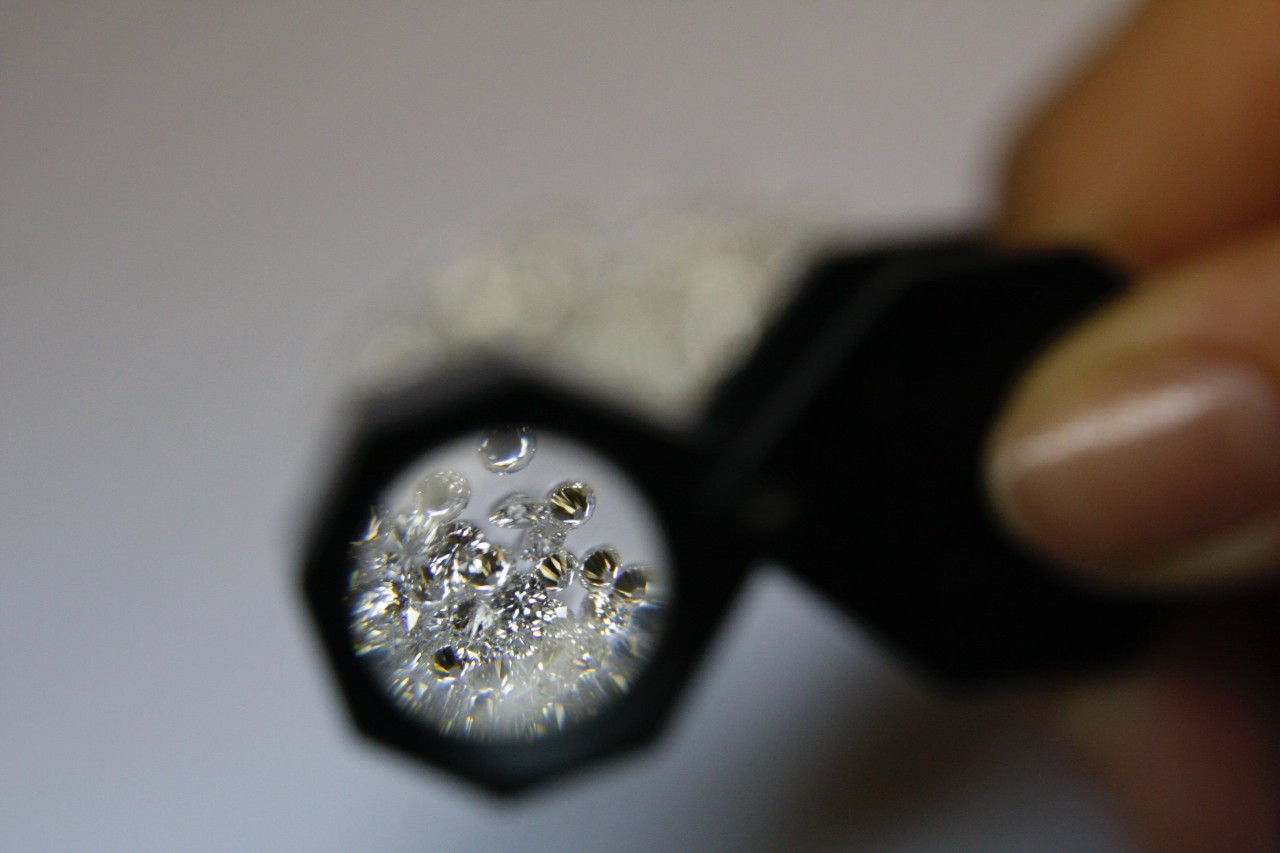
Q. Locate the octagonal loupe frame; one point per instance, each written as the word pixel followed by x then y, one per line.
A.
pixel 392 433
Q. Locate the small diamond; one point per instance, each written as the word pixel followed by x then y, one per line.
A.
pixel 451 550
pixel 632 584
pixel 442 495
pixel 522 609
pixel 604 610
pixel 600 566
pixel 540 541
pixel 484 566
pixel 446 663
pixel 518 511
pixel 507 449
pixel 556 570
pixel 571 503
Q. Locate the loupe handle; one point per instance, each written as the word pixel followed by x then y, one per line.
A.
pixel 851 448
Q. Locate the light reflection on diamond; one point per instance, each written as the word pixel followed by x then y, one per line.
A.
pixel 485 642
pixel 506 450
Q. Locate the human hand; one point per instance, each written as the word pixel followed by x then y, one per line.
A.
pixel 1143 450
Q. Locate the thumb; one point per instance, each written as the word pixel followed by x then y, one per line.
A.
pixel 1145 447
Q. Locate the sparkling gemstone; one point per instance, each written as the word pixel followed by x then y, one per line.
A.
pixel 507 449
pixel 598 606
pixel 600 566
pixel 556 570
pixel 436 562
pixel 376 620
pixel 460 617
pixel 571 503
pixel 517 511
pixel 484 566
pixel 457 546
pixel 540 541
pixel 385 541
pixel 632 583
pixel 446 663
pixel 418 534
pixel 522 609
pixel 442 495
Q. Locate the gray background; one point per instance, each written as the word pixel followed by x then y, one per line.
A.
pixel 195 202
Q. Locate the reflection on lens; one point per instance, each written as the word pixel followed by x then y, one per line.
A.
pixel 513 621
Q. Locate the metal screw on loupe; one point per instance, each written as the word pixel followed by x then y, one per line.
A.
pixel 868 398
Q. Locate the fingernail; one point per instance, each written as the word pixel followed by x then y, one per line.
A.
pixel 1157 464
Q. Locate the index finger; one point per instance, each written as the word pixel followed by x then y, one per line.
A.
pixel 1167 143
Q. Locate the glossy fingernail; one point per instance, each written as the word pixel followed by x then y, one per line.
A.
pixel 1172 464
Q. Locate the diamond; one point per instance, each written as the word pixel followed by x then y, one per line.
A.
pixel 449 550
pixel 507 449
pixel 604 610
pixel 571 503
pixel 600 566
pixel 556 570
pixel 518 511
pixel 446 663
pixel 522 610
pixel 442 495
pixel 485 565
pixel 540 541
pixel 632 584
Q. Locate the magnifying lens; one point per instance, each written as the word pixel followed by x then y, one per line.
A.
pixel 511 584
pixel 513 577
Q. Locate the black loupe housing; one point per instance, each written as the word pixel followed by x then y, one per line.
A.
pixel 847 448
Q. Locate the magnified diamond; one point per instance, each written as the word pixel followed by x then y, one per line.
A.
pixel 571 503
pixel 540 541
pixel 518 511
pixel 451 549
pixel 507 449
pixel 484 567
pixel 600 566
pixel 632 584
pixel 442 495
pixel 445 663
pixel 556 570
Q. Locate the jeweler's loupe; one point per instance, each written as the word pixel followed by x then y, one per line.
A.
pixel 513 577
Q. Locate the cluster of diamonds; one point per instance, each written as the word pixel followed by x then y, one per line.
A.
pixel 502 635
